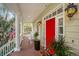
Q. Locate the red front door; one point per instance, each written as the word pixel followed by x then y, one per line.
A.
pixel 50 31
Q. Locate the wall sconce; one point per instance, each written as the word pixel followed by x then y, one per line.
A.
pixel 39 22
pixel 71 9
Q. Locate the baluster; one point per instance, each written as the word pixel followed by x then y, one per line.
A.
pixel 4 51
pixel 0 52
pixel 12 45
pixel 8 48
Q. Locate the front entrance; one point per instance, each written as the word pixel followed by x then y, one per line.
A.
pixel 50 31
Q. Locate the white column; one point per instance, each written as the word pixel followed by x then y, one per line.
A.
pixel 32 32
pixel 17 29
pixel 21 30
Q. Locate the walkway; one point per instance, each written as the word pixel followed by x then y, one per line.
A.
pixel 27 49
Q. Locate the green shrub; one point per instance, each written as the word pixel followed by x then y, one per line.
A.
pixel 35 35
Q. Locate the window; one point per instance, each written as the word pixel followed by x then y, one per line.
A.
pixel 61 21
pixel 59 10
pixel 54 13
pixel 60 37
pixel 50 15
pixel 60 28
pixel 46 17
pixel 27 28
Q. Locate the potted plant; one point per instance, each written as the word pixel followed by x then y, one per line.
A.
pixel 60 49
pixel 36 41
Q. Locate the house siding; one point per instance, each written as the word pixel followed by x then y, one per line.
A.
pixel 72 31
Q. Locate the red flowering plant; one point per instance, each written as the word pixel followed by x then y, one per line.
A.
pixel 51 49
pixel 59 48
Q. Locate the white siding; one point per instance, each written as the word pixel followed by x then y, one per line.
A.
pixel 72 31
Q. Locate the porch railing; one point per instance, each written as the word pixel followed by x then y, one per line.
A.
pixel 7 48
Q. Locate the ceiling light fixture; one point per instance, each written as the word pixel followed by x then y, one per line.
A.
pixel 28 16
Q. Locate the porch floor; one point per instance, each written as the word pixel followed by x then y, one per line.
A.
pixel 27 49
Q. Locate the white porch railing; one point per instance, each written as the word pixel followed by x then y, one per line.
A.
pixel 7 48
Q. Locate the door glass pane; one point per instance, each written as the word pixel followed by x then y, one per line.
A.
pixel 60 37
pixel 60 30
pixel 61 21
pixel 59 10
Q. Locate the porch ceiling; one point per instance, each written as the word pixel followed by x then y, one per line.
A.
pixel 31 11
pixel 28 11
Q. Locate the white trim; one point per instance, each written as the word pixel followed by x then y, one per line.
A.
pixel 63 20
pixel 43 33
pixel 56 22
pixel 57 26
pixel 53 10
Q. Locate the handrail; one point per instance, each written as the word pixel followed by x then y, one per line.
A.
pixel 7 48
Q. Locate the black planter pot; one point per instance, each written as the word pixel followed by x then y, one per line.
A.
pixel 37 44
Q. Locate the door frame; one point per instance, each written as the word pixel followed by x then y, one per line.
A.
pixel 56 20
